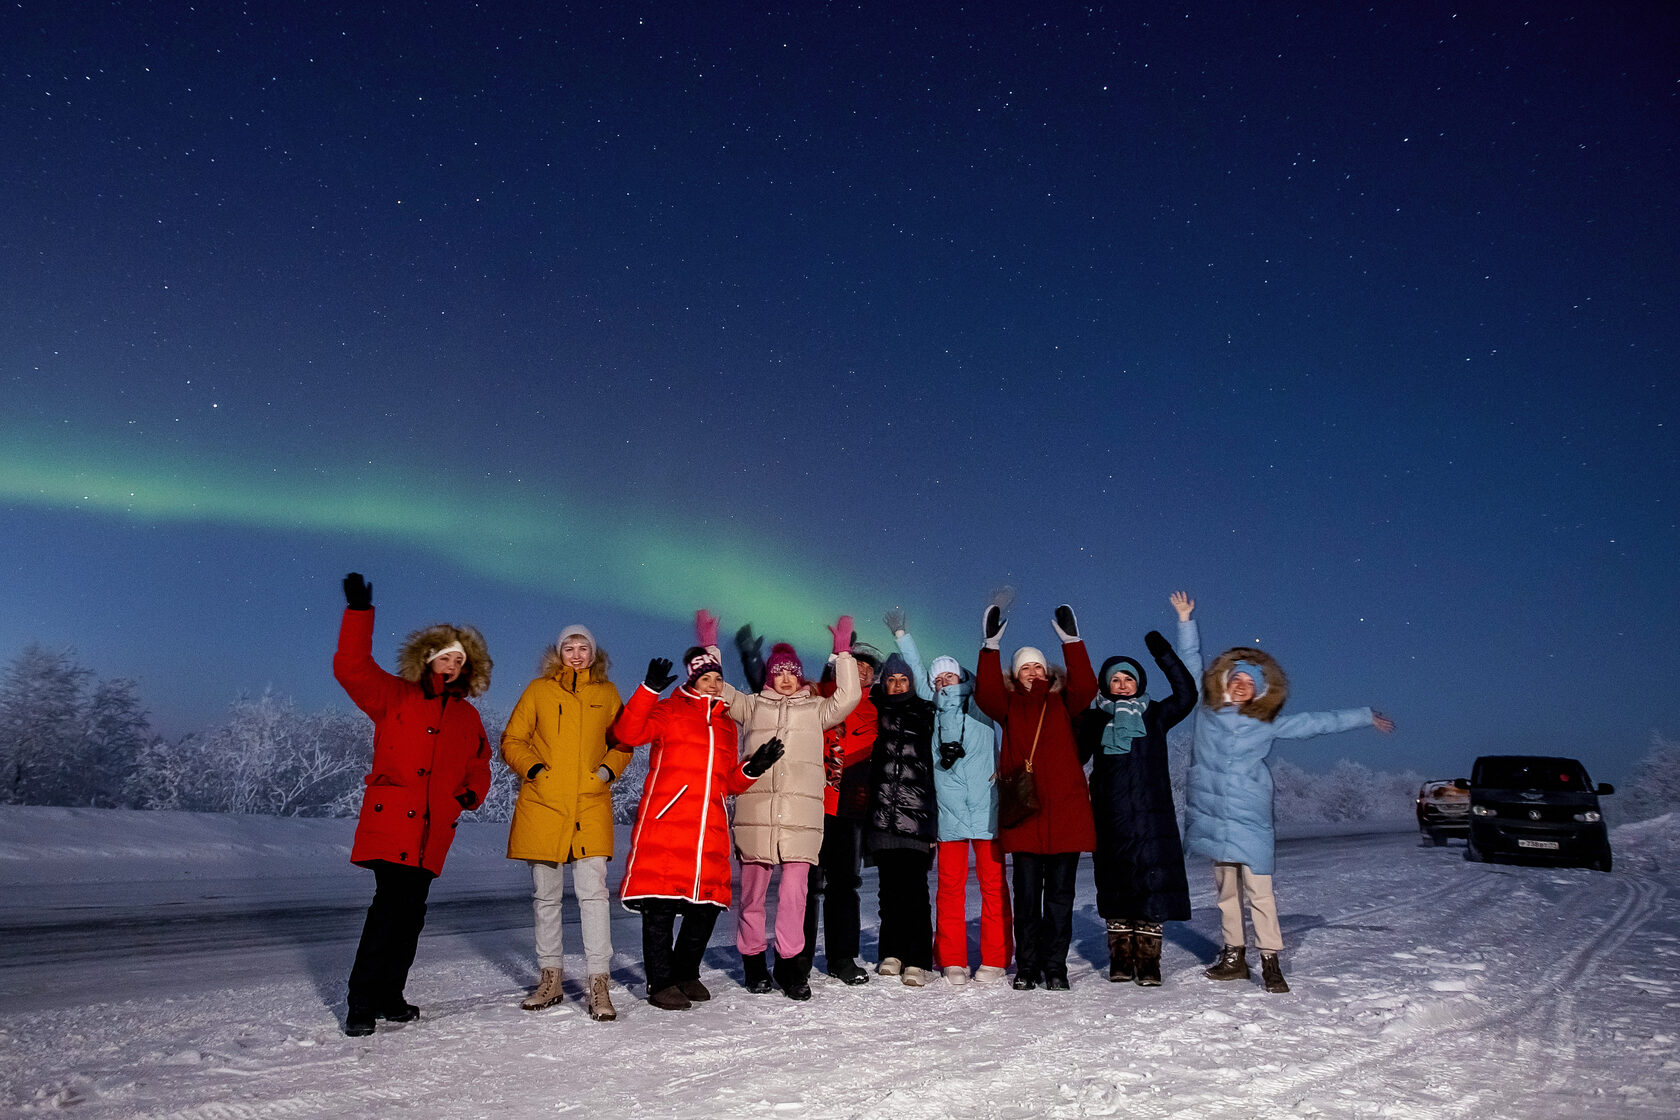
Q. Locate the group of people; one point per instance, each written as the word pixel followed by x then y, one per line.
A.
pixel 878 758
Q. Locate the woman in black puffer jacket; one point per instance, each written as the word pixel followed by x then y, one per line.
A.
pixel 903 823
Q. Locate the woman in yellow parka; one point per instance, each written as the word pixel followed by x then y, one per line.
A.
pixel 556 742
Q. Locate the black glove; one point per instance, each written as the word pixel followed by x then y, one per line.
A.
pixel 531 774
pixel 763 758
pixel 994 621
pixel 746 642
pixel 949 753
pixel 467 798
pixel 659 674
pixel 1158 646
pixel 358 592
pixel 1067 627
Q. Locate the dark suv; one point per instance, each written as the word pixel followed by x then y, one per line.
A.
pixel 1530 807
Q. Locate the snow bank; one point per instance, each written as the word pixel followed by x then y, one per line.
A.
pixel 1651 846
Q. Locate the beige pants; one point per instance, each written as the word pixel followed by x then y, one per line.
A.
pixel 1235 880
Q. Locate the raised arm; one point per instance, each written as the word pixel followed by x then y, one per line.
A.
pixel 912 656
pixel 1081 679
pixel 1189 635
pixel 369 687
pixel 1183 699
pixel 989 692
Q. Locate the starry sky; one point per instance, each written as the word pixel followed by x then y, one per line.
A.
pixel 1356 321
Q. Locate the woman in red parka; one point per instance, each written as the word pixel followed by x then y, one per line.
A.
pixel 431 761
pixel 679 851
pixel 1036 709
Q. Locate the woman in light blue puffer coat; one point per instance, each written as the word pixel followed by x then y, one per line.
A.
pixel 964 781
pixel 1228 805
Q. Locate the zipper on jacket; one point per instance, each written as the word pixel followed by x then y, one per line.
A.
pixel 659 815
pixel 706 802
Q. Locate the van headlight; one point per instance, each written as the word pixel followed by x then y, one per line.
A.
pixel 1589 817
pixel 1483 811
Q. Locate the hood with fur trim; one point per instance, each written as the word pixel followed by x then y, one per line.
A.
pixel 1264 707
pixel 551 664
pixel 475 676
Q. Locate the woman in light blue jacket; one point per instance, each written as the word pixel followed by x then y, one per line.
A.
pixel 1228 805
pixel 964 781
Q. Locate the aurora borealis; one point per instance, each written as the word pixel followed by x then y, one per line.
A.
pixel 1358 324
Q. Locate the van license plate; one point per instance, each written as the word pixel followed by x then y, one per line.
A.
pixel 1548 845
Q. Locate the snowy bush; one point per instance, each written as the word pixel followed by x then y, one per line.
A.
pixel 65 738
pixel 268 758
pixel 1655 786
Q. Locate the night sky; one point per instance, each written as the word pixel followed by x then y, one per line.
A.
pixel 1359 322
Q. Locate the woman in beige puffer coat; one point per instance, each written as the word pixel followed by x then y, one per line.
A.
pixel 779 821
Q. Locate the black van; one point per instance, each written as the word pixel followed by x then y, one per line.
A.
pixel 1530 807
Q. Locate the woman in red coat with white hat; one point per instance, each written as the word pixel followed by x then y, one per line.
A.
pixel 431 762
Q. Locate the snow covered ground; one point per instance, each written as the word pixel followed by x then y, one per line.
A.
pixel 176 965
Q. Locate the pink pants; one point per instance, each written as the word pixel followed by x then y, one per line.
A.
pixel 950 946
pixel 790 908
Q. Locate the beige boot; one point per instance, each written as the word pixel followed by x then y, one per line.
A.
pixel 600 1004
pixel 548 990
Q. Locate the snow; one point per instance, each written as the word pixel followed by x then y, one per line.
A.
pixel 192 966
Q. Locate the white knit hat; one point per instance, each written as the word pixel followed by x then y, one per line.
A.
pixel 1029 655
pixel 943 665
pixel 577 632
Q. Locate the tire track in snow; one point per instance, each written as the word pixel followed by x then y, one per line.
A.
pixel 1544 1007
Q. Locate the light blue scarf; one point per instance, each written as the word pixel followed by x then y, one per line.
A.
pixel 1125 722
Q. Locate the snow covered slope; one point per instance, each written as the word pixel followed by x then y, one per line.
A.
pixel 192 966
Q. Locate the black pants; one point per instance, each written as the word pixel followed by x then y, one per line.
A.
pixel 906 914
pixel 670 956
pixel 835 881
pixel 1043 912
pixel 390 936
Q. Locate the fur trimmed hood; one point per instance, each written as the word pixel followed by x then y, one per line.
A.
pixel 1056 674
pixel 1264 707
pixel 550 664
pixel 475 677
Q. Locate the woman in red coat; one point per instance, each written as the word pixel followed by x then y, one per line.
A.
pixel 431 761
pixel 1036 709
pixel 679 852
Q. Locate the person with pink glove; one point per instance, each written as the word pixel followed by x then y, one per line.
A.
pixel 779 821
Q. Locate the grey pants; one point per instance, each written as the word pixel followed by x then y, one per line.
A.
pixel 589 883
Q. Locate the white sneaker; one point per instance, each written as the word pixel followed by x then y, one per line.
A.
pixel 956 975
pixel 915 977
pixel 890 966
pixel 988 974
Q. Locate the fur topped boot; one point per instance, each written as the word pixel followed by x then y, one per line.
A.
pixel 1146 943
pixel 1120 952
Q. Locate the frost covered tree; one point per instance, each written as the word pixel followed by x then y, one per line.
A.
pixel 65 738
pixel 268 758
pixel 1655 788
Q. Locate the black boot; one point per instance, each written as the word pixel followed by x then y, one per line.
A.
pixel 757 973
pixel 1231 965
pixel 399 1012
pixel 1271 972
pixel 1056 979
pixel 1146 947
pixel 794 976
pixel 359 1023
pixel 1120 950
pixel 848 972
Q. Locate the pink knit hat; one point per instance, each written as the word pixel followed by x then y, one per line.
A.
pixel 783 659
